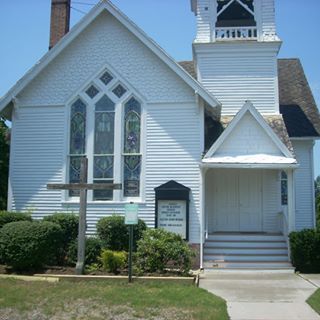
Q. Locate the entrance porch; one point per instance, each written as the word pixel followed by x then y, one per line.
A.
pixel 246 219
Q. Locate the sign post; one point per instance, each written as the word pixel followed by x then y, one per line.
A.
pixel 131 218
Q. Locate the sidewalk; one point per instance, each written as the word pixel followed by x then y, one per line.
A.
pixel 263 296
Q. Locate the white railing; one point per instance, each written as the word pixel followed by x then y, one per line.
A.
pixel 236 33
pixel 284 224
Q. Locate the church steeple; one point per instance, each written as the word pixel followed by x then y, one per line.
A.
pixel 223 20
pixel 235 52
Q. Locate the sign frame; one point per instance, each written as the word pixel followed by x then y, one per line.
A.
pixel 173 191
pixel 131 214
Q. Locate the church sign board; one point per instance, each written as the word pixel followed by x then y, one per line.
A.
pixel 172 208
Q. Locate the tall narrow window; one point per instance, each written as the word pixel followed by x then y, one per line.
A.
pixel 284 188
pixel 77 147
pixel 131 150
pixel 103 159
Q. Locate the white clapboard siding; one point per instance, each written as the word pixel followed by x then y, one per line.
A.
pixel 36 158
pixel 173 153
pixel 304 185
pixel 236 72
pixel 268 18
pixel 204 20
pixel 105 43
pixel 271 201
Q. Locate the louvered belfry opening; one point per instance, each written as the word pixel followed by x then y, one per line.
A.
pixel 60 20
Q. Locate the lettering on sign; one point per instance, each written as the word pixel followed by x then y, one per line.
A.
pixel 172 216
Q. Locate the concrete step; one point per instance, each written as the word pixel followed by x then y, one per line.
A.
pixel 248 265
pixel 245 237
pixel 245 244
pixel 246 257
pixel 245 250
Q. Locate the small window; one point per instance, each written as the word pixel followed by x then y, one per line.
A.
pixel 106 77
pixel 92 91
pixel 119 90
pixel 284 188
pixel 235 13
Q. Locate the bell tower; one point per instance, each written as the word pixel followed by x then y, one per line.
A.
pixel 235 52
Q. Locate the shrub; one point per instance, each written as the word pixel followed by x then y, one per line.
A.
pixel 69 224
pixel 7 217
pixel 92 252
pixel 112 261
pixel 115 234
pixel 159 249
pixel 305 250
pixel 27 245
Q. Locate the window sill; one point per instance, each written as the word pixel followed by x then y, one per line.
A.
pixel 75 202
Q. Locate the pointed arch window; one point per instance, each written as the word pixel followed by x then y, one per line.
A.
pixel 131 150
pixel 105 126
pixel 235 13
pixel 77 147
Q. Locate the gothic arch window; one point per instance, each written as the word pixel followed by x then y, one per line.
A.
pixel 235 13
pixel 105 126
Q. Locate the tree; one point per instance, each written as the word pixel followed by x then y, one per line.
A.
pixel 317 198
pixel 317 186
pixel 4 163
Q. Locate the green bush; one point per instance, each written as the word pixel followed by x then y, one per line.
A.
pixel 69 224
pixel 7 217
pixel 28 245
pixel 115 234
pixel 112 261
pixel 159 250
pixel 305 250
pixel 92 252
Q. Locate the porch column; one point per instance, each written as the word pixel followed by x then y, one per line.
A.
pixel 202 211
pixel 291 201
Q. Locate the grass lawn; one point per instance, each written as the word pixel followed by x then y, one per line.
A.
pixel 314 301
pixel 116 300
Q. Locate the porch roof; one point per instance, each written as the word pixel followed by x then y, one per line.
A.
pixel 262 161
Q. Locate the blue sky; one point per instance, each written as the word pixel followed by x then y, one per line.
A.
pixel 24 34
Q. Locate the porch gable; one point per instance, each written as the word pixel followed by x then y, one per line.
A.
pixel 249 139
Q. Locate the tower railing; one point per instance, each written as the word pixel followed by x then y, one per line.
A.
pixel 236 33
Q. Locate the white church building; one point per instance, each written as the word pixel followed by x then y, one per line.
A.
pixel 235 127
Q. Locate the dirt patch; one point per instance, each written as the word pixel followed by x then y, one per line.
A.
pixel 88 309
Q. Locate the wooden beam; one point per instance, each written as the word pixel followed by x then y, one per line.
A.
pixel 88 186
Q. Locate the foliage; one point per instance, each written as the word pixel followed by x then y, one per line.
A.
pixel 317 186
pixel 112 261
pixel 314 301
pixel 92 252
pixel 69 224
pixel 305 250
pixel 318 211
pixel 27 245
pixel 115 234
pixel 4 163
pixel 113 299
pixel 7 217
pixel 159 249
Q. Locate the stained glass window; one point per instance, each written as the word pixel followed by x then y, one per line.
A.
pixel 77 142
pixel 132 170
pixel 119 90
pixel 103 146
pixel 92 91
pixel 106 78
pixel 78 128
pixel 284 189
pixel 132 156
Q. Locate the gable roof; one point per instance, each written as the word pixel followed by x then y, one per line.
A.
pixel 248 107
pixel 10 96
pixel 297 104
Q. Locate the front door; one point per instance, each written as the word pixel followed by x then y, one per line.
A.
pixel 237 200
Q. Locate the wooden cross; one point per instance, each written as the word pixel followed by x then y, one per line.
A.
pixel 83 186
